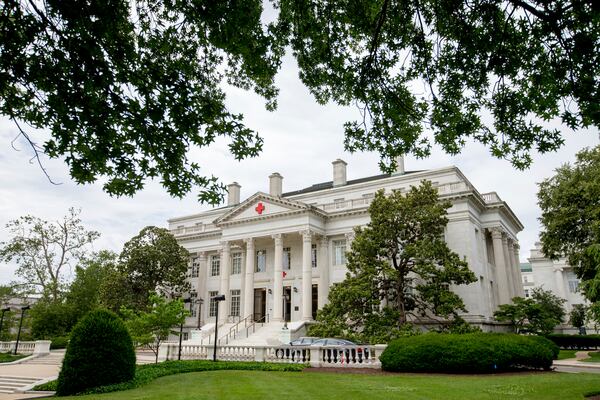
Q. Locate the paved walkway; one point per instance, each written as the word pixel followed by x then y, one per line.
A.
pixel 576 365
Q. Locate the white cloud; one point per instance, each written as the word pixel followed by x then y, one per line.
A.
pixel 301 140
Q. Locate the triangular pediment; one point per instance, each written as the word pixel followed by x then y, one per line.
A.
pixel 262 205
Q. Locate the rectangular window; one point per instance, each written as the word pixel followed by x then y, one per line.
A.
pixel 525 279
pixel 193 305
pixel 236 264
pixel 261 261
pixel 339 252
pixel 215 265
pixel 313 255
pixel 195 268
pixel 287 258
pixel 526 293
pixel 574 286
pixel 212 310
pixel 235 303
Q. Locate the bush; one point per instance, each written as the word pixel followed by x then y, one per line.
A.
pixel 149 372
pixel 575 342
pixel 468 353
pixel 99 353
pixel 59 342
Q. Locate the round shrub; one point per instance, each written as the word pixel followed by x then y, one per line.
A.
pixel 99 353
pixel 468 353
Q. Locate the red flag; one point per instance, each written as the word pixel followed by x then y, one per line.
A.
pixel 284 273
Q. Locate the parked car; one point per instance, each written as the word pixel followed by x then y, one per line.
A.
pixel 333 353
pixel 303 341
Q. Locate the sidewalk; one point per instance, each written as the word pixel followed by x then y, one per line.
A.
pixel 577 364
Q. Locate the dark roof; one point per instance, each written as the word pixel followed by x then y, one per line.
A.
pixel 329 184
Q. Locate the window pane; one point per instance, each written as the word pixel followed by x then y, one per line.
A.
pixel 215 265
pixel 235 303
pixel 339 252
pixel 213 304
pixel 261 261
pixel 236 265
pixel 287 255
pixel 313 251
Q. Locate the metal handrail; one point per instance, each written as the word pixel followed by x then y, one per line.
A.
pixel 262 321
pixel 234 330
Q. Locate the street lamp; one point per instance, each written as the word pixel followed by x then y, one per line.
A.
pixel 185 300
pixel 217 299
pixel 4 310
pixel 199 302
pixel 23 309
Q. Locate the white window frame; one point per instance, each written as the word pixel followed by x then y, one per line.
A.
pixel 261 255
pixel 236 263
pixel 194 270
pixel 286 260
pixel 212 309
pixel 339 252
pixel 235 302
pixel 313 255
pixel 215 265
pixel 573 285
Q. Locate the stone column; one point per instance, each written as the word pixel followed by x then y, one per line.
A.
pixel 306 276
pixel 249 277
pixel 500 266
pixel 514 267
pixel 518 271
pixel 225 274
pixel 278 279
pixel 202 273
pixel 243 284
pixel 508 261
pixel 560 282
pixel 323 265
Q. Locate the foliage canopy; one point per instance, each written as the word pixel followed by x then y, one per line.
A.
pixel 126 89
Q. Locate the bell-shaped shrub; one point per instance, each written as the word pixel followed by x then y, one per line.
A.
pixel 99 353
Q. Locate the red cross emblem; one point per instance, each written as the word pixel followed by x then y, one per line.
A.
pixel 260 208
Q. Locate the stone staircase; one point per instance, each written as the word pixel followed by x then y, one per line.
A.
pixel 12 384
pixel 55 357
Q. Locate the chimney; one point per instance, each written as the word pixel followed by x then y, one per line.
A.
pixel 233 194
pixel 275 184
pixel 339 172
pixel 399 165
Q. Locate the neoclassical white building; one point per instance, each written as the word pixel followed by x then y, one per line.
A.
pixel 275 255
pixel 554 275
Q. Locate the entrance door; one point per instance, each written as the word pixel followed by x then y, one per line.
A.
pixel 287 306
pixel 315 300
pixel 260 304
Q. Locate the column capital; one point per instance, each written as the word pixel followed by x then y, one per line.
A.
pixel 350 236
pixel 225 245
pixel 511 245
pixel 516 246
pixel 278 237
pixel 201 255
pixel 249 241
pixel 558 269
pixel 496 232
pixel 324 241
pixel 306 235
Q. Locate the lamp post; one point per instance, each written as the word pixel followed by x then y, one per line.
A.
pixel 217 299
pixel 285 297
pixel 185 300
pixel 23 309
pixel 4 310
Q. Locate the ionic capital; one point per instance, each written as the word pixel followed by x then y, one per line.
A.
pixel 306 235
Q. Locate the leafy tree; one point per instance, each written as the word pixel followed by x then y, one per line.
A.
pixel 43 250
pixel 570 203
pixel 49 319
pixel 150 328
pixel 84 292
pixel 151 261
pixel 578 315
pixel 538 314
pixel 142 82
pixel 399 270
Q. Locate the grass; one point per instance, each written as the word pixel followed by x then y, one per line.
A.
pixel 249 385
pixel 566 354
pixel 594 356
pixel 8 357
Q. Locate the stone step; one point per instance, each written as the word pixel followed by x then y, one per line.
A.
pixel 10 384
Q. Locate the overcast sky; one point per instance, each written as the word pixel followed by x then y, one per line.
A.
pixel 301 140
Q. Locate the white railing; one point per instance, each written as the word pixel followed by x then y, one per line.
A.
pixel 491 197
pixel 363 356
pixel 37 347
pixel 193 229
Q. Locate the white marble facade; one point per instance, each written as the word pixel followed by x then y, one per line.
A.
pixel 269 250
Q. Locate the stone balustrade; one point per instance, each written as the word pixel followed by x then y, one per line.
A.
pixel 37 347
pixel 363 356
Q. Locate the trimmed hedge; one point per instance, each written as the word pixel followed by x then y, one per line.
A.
pixel 575 342
pixel 468 353
pixel 149 372
pixel 59 342
pixel 99 353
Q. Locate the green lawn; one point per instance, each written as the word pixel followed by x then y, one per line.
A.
pixel 594 356
pixel 248 385
pixel 566 354
pixel 8 357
